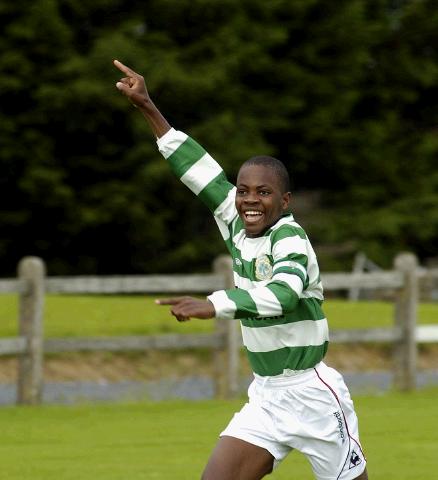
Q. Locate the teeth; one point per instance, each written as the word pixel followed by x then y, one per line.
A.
pixel 252 212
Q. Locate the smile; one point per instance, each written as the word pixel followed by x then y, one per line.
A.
pixel 252 215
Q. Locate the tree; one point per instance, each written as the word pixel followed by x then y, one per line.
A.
pixel 331 88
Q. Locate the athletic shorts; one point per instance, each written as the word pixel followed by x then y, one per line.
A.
pixel 310 411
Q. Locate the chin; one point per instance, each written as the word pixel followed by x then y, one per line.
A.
pixel 254 233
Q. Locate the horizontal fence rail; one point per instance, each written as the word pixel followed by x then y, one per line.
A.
pixel 135 343
pixel 368 280
pixel 195 283
pixel 225 341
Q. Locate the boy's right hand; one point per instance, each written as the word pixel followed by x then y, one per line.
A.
pixel 133 86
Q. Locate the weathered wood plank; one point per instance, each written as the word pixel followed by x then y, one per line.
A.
pixel 426 334
pixel 194 283
pixel 364 280
pixel 12 285
pixel 12 346
pixel 428 273
pixel 359 335
pixel 134 343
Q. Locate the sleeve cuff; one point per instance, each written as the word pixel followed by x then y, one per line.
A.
pixel 170 141
pixel 169 135
pixel 224 307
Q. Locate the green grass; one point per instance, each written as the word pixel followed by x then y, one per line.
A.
pixel 92 315
pixel 172 440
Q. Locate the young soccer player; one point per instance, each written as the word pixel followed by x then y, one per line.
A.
pixel 295 400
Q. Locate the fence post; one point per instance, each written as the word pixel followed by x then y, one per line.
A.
pixel 227 369
pixel 31 272
pixel 358 267
pixel 405 350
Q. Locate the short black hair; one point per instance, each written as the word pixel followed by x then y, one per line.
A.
pixel 274 164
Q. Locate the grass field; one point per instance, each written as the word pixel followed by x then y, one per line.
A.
pixel 92 315
pixel 172 440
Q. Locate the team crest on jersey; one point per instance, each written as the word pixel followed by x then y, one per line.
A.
pixel 263 268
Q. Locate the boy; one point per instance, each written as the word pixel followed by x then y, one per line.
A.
pixel 295 400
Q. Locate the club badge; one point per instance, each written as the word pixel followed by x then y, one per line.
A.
pixel 263 268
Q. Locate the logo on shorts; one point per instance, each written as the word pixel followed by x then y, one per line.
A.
pixel 263 268
pixel 355 460
pixel 340 425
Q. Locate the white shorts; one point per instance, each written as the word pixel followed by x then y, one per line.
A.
pixel 310 411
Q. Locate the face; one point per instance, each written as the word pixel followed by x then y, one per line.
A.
pixel 259 198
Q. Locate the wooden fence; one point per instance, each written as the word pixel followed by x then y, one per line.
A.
pixel 32 285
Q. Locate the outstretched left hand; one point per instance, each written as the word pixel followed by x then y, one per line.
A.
pixel 183 308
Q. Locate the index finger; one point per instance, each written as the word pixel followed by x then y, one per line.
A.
pixel 124 68
pixel 169 301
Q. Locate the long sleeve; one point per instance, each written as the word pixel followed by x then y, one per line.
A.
pixel 197 170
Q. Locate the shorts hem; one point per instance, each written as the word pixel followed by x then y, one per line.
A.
pixel 356 474
pixel 347 475
pixel 255 442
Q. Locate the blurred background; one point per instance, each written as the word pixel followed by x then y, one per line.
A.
pixel 344 93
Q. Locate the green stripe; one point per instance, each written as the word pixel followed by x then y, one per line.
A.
pixel 293 358
pixel 229 245
pixel 292 271
pixel 244 303
pixel 215 192
pixel 294 257
pixel 187 154
pixel 238 226
pixel 245 269
pixel 306 309
pixel 272 229
pixel 286 231
pixel 285 295
pixel 240 266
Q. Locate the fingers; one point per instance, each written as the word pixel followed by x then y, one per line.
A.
pixel 179 310
pixel 170 301
pixel 174 311
pixel 123 68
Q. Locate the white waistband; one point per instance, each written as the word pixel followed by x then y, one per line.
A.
pixel 289 377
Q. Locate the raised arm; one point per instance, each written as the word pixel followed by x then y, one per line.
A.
pixel 134 87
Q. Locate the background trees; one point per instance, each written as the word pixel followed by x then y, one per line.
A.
pixel 343 92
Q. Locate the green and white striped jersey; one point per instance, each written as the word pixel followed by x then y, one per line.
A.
pixel 278 293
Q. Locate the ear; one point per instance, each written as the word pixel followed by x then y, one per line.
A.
pixel 285 200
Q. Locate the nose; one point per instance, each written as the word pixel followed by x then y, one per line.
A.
pixel 251 198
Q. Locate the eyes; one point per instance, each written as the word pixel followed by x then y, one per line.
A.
pixel 242 192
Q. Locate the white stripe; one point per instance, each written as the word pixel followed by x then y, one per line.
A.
pixel 251 248
pixel 239 237
pixel 246 284
pixel 266 302
pixel 296 334
pixel 289 245
pixel 243 282
pixel 223 228
pixel 316 292
pixel 201 173
pixel 171 141
pixel 294 281
pixel 226 211
pixel 224 307
pixel 290 264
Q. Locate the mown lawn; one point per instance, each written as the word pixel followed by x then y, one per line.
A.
pixel 94 315
pixel 172 440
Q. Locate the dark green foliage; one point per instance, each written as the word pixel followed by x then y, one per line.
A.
pixel 343 92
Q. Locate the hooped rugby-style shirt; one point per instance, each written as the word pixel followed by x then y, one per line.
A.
pixel 278 292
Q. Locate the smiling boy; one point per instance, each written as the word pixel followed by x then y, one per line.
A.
pixel 295 400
